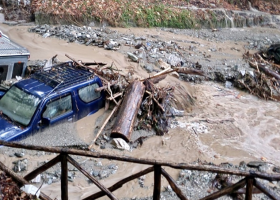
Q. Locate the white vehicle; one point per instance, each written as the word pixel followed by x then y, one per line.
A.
pixel 13 58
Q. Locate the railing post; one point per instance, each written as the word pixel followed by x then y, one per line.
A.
pixel 157 182
pixel 249 188
pixel 64 177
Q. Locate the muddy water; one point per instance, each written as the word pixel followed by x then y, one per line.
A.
pixel 224 125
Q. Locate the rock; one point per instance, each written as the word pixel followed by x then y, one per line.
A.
pixel 276 169
pixel 20 165
pixel 31 189
pixel 94 173
pixel 228 84
pixel 256 164
pixel 121 144
pixel 19 155
pixel 104 173
pixel 149 67
pixel 133 57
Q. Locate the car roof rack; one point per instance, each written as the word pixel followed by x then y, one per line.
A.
pixel 63 75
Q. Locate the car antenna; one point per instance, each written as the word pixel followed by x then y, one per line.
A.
pixel 55 88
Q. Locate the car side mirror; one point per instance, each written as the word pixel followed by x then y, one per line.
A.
pixel 46 121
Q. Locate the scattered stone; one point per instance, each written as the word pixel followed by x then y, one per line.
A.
pixel 256 164
pixel 133 57
pixel 19 155
pixel 20 165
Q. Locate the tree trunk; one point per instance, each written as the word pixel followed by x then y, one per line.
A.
pixel 128 111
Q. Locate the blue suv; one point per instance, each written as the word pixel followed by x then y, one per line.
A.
pixel 64 93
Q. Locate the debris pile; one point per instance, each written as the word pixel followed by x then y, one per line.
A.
pixel 265 79
pixel 10 190
pixel 133 97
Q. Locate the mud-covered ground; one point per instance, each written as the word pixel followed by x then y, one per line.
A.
pixel 224 124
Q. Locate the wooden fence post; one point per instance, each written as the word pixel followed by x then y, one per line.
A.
pixel 157 182
pixel 64 177
pixel 249 188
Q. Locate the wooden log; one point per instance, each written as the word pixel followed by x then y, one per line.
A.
pixel 173 185
pixel 128 111
pixel 96 182
pixel 64 177
pixel 267 192
pixel 157 182
pixel 227 190
pixel 20 180
pixel 214 169
pixel 42 168
pixel 265 70
pixel 249 188
pixel 104 124
pixel 120 183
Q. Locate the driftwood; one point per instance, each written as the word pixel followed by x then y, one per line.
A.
pixel 104 124
pixel 265 70
pixel 183 70
pixel 128 111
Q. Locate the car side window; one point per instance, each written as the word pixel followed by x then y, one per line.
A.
pixel 58 107
pixel 88 94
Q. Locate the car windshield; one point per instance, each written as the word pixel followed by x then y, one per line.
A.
pixel 18 105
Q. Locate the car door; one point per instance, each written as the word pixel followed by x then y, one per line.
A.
pixel 89 101
pixel 58 109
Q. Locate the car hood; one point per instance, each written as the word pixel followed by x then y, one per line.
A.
pixel 8 130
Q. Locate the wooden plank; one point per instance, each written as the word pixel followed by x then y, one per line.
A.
pixel 126 116
pixel 96 182
pixel 64 177
pixel 20 180
pixel 120 183
pixel 214 169
pixel 225 191
pixel 174 185
pixel 249 188
pixel 266 191
pixel 157 182
pixel 42 168
pixel 104 124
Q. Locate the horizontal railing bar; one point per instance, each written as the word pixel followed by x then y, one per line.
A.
pixel 213 169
